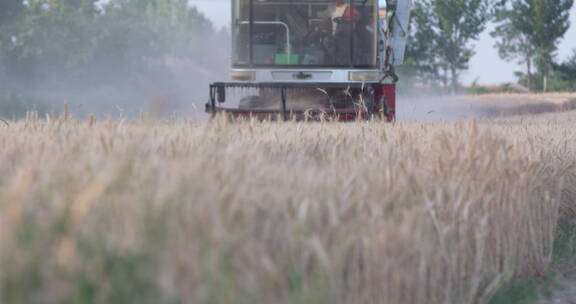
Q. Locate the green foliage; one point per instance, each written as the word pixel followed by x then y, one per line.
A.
pixel 127 35
pixel 527 31
pixel 439 45
pixel 566 71
pixel 475 89
pixel 459 21
pixel 544 22
pixel 556 82
pixel 529 290
pixel 524 291
pixel 130 274
pixel 10 10
pixel 421 58
pixel 52 37
pixel 531 30
pixel 73 49
pixel 106 276
pixel 512 44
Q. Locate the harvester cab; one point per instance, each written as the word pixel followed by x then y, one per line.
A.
pixel 308 59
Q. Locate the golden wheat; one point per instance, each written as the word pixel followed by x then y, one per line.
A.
pixel 248 212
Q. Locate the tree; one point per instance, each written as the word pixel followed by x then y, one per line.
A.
pixel 542 23
pixel 101 54
pixel 513 44
pixel 421 56
pixel 10 13
pixel 567 71
pixel 52 36
pixel 10 10
pixel 458 22
pixel 442 32
pixel 144 33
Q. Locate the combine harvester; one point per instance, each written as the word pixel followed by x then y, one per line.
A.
pixel 313 59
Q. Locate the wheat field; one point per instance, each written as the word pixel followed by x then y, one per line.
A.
pixel 180 211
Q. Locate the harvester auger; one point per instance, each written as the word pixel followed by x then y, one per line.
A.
pixel 308 59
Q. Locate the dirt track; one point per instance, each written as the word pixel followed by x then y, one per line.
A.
pixel 450 108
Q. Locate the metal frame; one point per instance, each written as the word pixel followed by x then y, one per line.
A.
pixel 335 75
pixel 383 95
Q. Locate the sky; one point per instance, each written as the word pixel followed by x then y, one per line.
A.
pixel 485 67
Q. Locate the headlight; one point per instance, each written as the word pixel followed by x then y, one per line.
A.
pixel 243 75
pixel 364 76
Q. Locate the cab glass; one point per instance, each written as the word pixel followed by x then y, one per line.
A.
pixel 310 33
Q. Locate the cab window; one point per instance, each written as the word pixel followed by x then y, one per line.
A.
pixel 340 33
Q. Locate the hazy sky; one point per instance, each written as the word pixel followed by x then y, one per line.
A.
pixel 485 66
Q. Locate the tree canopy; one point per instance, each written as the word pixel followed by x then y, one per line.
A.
pixel 566 71
pixel 441 35
pixel 532 30
pixel 134 50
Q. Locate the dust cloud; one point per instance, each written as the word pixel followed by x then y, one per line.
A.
pixel 451 108
pixel 115 66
